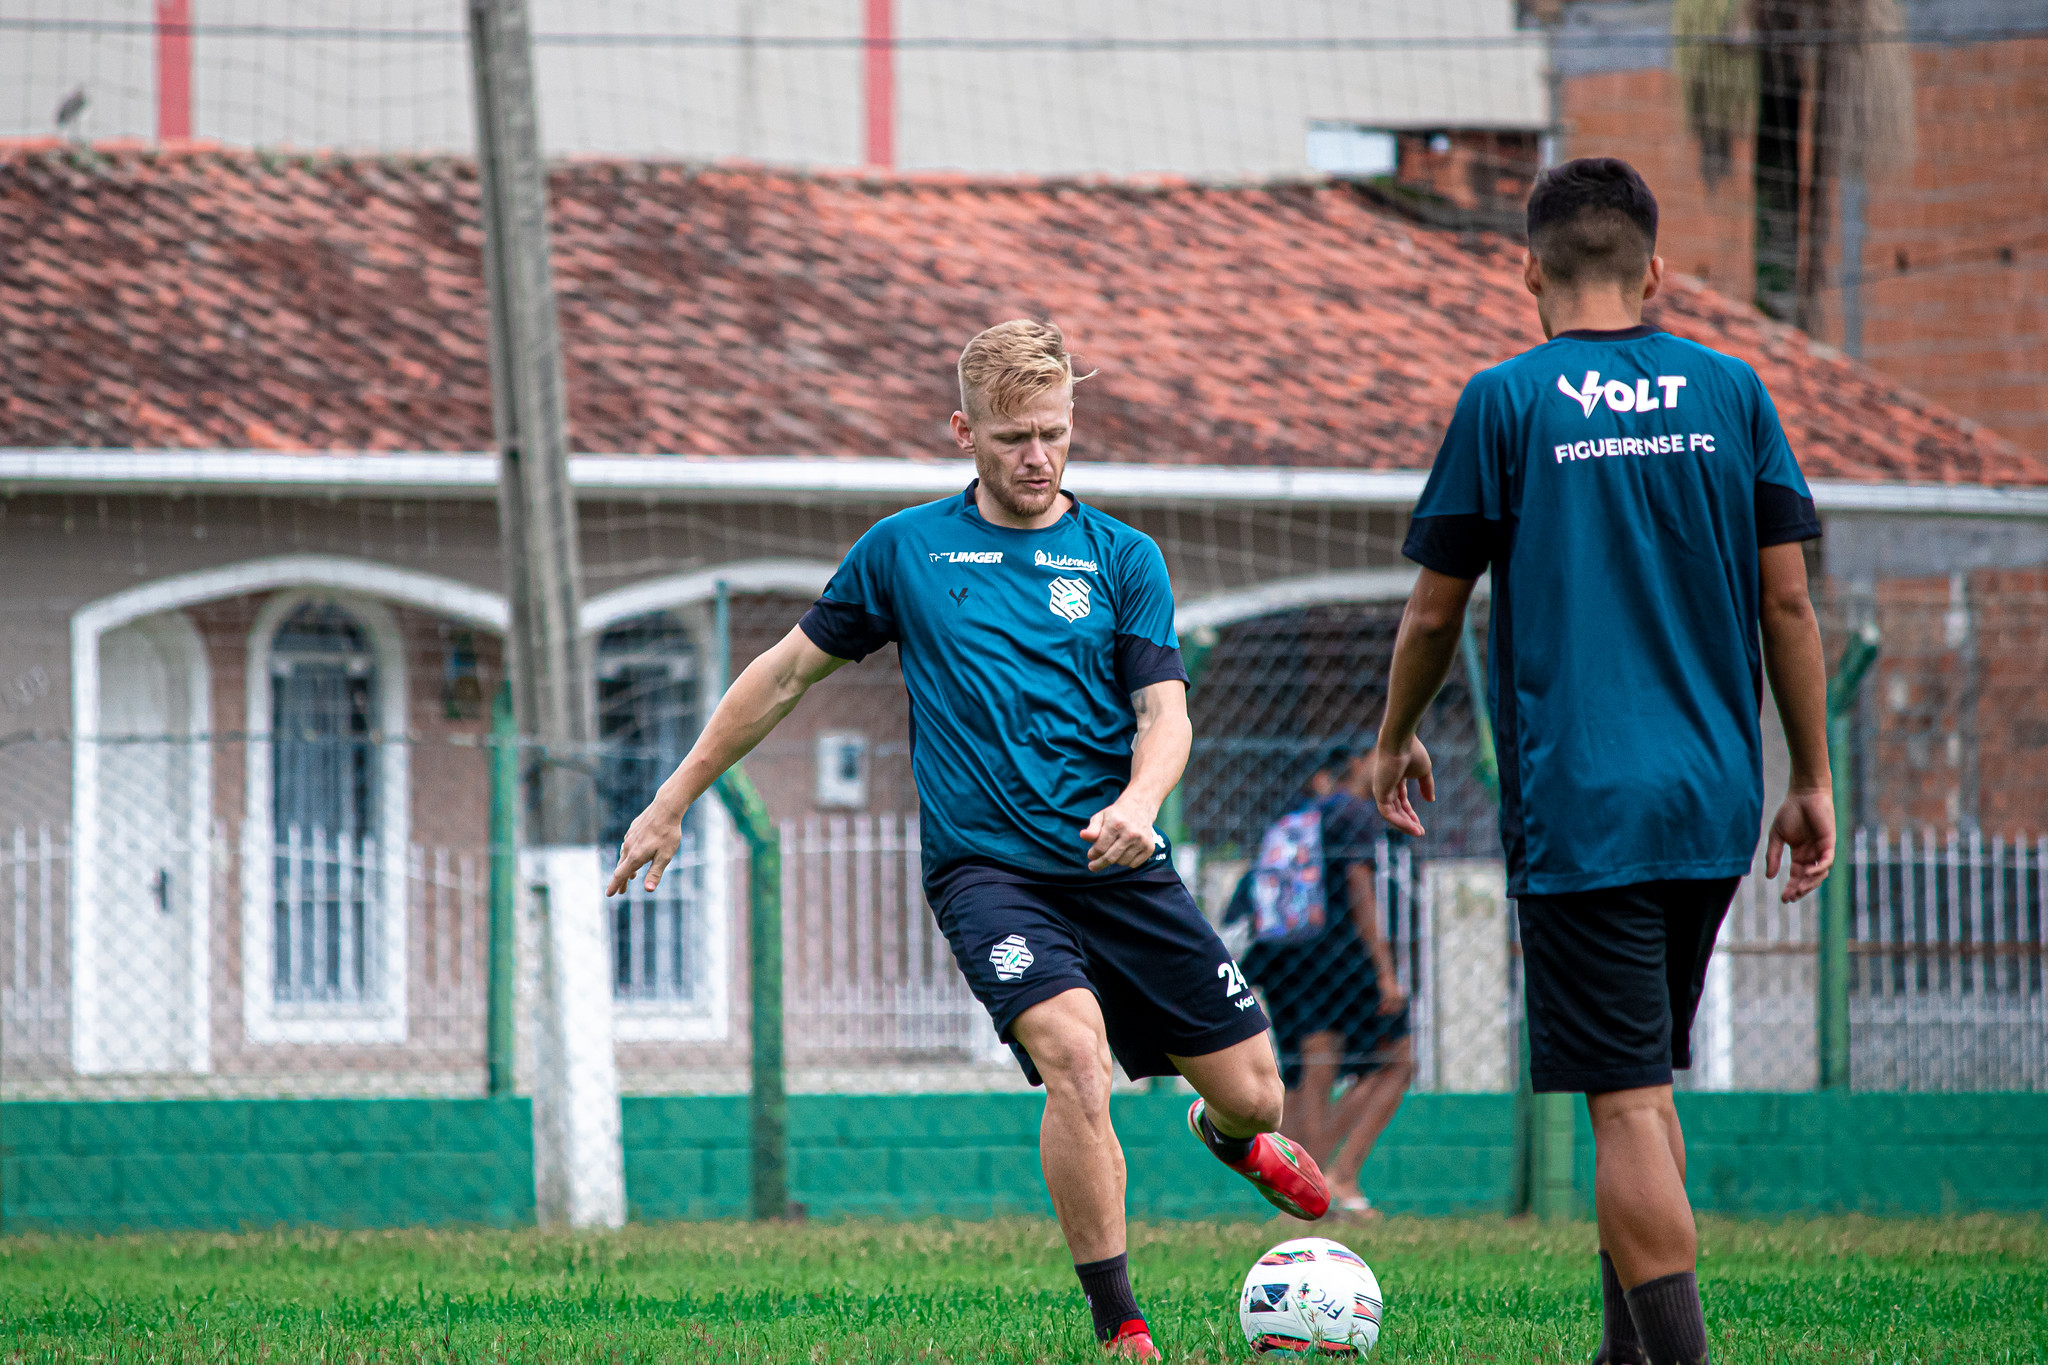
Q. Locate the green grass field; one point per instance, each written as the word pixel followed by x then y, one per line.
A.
pixel 1858 1291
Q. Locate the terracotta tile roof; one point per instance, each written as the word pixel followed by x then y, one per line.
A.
pixel 216 299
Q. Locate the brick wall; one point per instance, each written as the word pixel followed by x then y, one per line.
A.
pixel 1957 718
pixel 1955 259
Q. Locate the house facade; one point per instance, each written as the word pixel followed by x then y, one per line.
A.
pixel 255 600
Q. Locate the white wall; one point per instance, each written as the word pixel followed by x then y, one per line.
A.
pixel 392 75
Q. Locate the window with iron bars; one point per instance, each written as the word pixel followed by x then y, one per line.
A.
pixel 648 716
pixel 324 808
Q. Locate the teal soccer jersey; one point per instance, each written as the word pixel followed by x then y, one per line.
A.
pixel 1619 485
pixel 1020 650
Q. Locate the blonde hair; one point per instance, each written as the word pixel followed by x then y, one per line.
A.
pixel 1010 364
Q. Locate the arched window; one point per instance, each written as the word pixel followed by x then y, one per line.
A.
pixel 324 781
pixel 648 689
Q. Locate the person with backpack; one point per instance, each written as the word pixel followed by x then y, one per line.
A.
pixel 1318 952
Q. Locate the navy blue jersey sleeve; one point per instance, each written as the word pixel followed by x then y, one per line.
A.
pixel 1147 650
pixel 1784 504
pixel 1458 521
pixel 1350 832
pixel 855 617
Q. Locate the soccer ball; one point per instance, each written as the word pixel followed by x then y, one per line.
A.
pixel 1311 1294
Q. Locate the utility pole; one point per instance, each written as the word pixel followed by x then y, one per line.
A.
pixel 578 1172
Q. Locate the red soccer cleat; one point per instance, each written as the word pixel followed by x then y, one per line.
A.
pixel 1133 1341
pixel 1279 1169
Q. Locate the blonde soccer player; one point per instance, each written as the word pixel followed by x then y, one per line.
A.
pixel 1048 711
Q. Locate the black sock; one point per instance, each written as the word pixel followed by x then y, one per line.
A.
pixel 1668 1320
pixel 1107 1285
pixel 1618 1343
pixel 1228 1148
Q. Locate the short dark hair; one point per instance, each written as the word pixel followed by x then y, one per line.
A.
pixel 1338 760
pixel 1592 219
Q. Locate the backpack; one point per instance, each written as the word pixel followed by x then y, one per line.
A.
pixel 1288 904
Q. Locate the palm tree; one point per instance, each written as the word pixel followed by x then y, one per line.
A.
pixel 1820 91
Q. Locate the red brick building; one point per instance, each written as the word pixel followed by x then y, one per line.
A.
pixel 1948 292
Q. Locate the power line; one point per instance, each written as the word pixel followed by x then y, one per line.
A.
pixel 1566 39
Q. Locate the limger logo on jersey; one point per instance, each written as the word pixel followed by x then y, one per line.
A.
pixel 1046 561
pixel 1070 598
pixel 1010 958
pixel 967 556
pixel 1622 395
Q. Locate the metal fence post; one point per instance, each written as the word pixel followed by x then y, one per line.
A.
pixel 1194 656
pixel 1173 821
pixel 1544 1143
pixel 500 1027
pixel 1831 975
pixel 769 1109
pixel 1485 761
pixel 1544 1136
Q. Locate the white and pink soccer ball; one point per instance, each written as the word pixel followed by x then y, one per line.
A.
pixel 1311 1295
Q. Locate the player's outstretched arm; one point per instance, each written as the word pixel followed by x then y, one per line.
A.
pixel 1424 650
pixel 1805 823
pixel 768 689
pixel 1121 832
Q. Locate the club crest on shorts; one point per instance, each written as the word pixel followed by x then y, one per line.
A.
pixel 1070 598
pixel 1010 958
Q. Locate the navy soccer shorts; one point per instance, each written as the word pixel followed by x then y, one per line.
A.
pixel 1166 983
pixel 1612 979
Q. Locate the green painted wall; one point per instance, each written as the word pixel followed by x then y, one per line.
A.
pixel 77 1167
pixel 366 1163
pixel 1768 1155
pixel 971 1156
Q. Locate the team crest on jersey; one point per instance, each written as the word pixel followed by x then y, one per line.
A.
pixel 1010 958
pixel 1070 598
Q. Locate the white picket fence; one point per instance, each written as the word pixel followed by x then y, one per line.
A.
pixel 448 898
pixel 446 904
pixel 865 968
pixel 1948 955
pixel 35 882
pixel 1949 952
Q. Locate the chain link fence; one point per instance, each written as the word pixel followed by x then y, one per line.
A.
pixel 258 836
pixel 306 907
pixel 318 907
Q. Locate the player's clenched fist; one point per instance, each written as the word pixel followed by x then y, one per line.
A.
pixel 1120 835
pixel 652 841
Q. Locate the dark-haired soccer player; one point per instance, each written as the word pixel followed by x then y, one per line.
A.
pixel 1641 513
pixel 1048 711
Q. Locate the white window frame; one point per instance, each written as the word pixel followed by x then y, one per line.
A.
pixel 706 1019
pixel 688 596
pixel 384 1018
pixel 333 574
